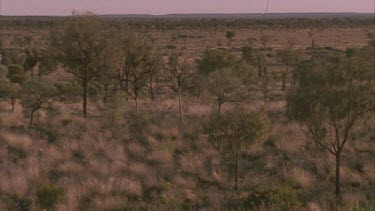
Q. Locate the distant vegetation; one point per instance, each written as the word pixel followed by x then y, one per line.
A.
pixel 162 24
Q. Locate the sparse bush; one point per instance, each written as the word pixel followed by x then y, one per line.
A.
pixel 281 197
pixel 49 195
pixel 230 35
pixel 38 94
pixel 213 60
pixel 237 130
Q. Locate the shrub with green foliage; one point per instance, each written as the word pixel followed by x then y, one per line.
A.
pixel 49 195
pixel 214 59
pixel 282 197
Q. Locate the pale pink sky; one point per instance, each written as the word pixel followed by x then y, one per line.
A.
pixel 64 7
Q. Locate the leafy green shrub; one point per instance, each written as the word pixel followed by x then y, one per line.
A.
pixel 283 197
pixel 68 90
pixel 49 195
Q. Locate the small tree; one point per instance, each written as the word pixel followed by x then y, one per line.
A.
pixel 133 75
pixel 291 42
pixel 334 93
pixel 7 89
pixel 16 74
pixel 255 58
pixel 179 71
pixel 154 73
pixel 16 77
pixel 12 57
pixel 38 94
pixel 46 63
pixel 264 40
pixel 110 62
pixel 289 58
pixel 197 85
pixel 230 35
pixel 224 86
pixel 32 57
pixel 79 45
pixel 237 130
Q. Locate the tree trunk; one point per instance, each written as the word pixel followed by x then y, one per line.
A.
pixel 290 101
pixel 265 96
pixel 151 91
pixel 32 118
pixel 32 73
pixel 136 105
pixel 291 95
pixel 136 100
pixel 260 71
pixel 236 173
pixel 338 164
pixel 13 102
pixel 219 109
pixel 283 81
pixel 180 107
pixel 284 76
pixel 106 93
pixel 84 104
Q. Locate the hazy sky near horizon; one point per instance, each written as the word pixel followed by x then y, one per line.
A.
pixel 65 7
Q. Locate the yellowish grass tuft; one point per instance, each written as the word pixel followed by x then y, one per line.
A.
pixel 192 163
pixel 14 180
pixel 353 198
pixel 162 156
pixel 19 141
pixel 350 176
pixel 299 176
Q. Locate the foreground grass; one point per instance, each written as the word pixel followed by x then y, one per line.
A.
pixel 118 161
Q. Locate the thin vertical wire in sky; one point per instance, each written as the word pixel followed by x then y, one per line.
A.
pixel 268 4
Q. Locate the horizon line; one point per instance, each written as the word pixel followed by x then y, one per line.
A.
pixel 168 14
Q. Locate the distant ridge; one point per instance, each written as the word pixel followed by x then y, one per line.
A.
pixel 239 15
pixel 221 16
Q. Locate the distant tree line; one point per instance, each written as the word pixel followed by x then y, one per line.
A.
pixel 166 24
